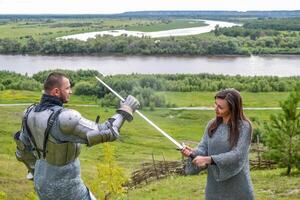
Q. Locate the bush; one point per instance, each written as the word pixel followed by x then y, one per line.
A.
pixel 30 85
pixel 85 88
pixel 148 98
pixel 2 195
pixel 2 87
pixel 109 100
pixel 110 177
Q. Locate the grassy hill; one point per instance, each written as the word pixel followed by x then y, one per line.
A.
pixel 137 144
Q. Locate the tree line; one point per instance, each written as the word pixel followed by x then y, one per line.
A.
pixel 85 83
pixel 145 87
pixel 275 24
pixel 230 41
pixel 268 36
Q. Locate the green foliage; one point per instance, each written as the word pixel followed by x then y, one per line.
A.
pixel 2 195
pixel 292 24
pixel 9 46
pixel 257 132
pixel 2 87
pixel 110 177
pixel 31 196
pixel 256 36
pixel 85 88
pixel 12 80
pixel 145 87
pixel 147 97
pixel 244 31
pixel 283 136
pixel 223 41
pixel 25 85
pixel 198 82
pixel 75 76
pixel 109 100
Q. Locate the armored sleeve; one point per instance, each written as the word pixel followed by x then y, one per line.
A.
pixel 231 163
pixel 80 129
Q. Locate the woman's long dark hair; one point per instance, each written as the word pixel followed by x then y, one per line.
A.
pixel 235 103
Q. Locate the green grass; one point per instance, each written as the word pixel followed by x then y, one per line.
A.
pixel 59 27
pixel 37 31
pixel 268 185
pixel 262 99
pixel 43 29
pixel 137 144
pixel 23 96
pixel 180 99
pixel 174 24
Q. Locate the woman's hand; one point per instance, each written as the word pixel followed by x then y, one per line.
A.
pixel 202 161
pixel 186 151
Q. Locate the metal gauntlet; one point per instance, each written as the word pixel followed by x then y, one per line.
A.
pixel 128 107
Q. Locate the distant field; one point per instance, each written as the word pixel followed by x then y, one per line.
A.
pixel 18 96
pixel 53 28
pixel 193 99
pixel 138 142
pixel 180 99
pixel 167 26
pixel 38 30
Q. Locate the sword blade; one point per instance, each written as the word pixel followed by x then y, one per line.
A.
pixel 144 117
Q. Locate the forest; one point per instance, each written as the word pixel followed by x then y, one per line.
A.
pixel 145 87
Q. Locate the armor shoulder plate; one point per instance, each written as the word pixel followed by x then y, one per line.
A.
pixel 68 120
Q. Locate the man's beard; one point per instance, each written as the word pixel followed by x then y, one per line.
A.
pixel 63 99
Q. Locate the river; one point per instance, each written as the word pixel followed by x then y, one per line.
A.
pixel 167 33
pixel 109 65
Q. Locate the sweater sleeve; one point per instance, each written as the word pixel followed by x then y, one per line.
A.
pixel 231 163
pixel 190 168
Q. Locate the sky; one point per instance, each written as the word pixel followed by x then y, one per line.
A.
pixel 119 6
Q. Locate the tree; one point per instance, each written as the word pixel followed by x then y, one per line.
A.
pixel 110 177
pixel 217 31
pixel 109 100
pixel 2 87
pixel 32 45
pixel 283 133
pixel 85 88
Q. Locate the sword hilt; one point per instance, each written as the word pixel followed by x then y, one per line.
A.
pixel 192 156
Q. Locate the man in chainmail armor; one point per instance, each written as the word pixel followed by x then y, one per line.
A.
pixel 51 135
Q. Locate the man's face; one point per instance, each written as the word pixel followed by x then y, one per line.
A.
pixel 65 90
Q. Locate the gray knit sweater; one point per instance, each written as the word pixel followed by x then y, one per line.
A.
pixel 229 178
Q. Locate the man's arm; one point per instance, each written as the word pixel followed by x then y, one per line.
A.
pixel 72 124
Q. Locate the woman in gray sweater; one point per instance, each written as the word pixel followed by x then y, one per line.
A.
pixel 224 150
